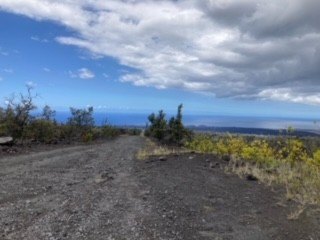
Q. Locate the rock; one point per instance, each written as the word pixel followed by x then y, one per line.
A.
pixel 213 165
pixel 250 177
pixel 6 140
pixel 226 158
pixel 162 159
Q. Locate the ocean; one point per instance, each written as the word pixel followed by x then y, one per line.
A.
pixel 140 119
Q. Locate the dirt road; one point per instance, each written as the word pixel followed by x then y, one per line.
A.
pixel 102 192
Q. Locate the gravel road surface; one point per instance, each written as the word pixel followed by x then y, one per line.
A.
pixel 101 191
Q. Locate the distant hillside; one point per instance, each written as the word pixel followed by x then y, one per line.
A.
pixel 254 131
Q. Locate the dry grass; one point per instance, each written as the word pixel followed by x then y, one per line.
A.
pixel 296 214
pixel 301 182
pixel 153 149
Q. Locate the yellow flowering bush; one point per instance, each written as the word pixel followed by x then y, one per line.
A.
pixel 281 160
pixel 202 143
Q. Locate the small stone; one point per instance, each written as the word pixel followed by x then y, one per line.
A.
pixel 162 159
pixel 226 158
pixel 250 177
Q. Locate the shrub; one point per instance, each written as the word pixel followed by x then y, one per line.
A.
pixel 173 132
pixel 202 143
pixel 81 118
pixel 87 137
pixel 134 131
pixel 80 123
pixel 316 158
pixel 158 125
pixel 109 131
pixel 43 131
pixel 130 131
pixel 258 151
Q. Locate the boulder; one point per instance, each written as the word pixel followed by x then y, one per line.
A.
pixel 6 140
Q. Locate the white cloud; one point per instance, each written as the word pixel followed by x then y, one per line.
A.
pixel 46 69
pixel 82 73
pixel 287 94
pixel 7 70
pixel 229 48
pixel 85 73
pixel 1 79
pixel 31 84
pixel 38 39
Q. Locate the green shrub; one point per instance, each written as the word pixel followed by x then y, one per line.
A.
pixel 158 125
pixel 134 131
pixel 87 137
pixel 202 143
pixel 82 118
pixel 173 132
pixel 79 123
pixel 316 158
pixel 109 131
pixel 43 131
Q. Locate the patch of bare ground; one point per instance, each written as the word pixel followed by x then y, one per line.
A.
pixel 102 191
pixel 200 201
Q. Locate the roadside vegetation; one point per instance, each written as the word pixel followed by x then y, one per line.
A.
pixel 19 121
pixel 286 160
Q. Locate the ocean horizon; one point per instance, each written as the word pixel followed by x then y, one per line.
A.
pixel 141 119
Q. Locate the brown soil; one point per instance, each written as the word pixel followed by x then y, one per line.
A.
pixel 102 192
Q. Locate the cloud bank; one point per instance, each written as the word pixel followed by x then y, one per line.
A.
pixel 247 49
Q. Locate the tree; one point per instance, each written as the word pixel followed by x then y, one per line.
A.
pixel 17 115
pixel 172 132
pixel 158 125
pixel 176 129
pixel 81 118
pixel 48 114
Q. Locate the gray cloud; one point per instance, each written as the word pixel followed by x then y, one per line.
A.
pixel 265 49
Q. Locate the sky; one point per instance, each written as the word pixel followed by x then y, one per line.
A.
pixel 220 57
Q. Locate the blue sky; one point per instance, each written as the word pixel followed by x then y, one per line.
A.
pixel 75 64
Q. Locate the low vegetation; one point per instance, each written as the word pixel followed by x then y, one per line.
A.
pixel 282 160
pixel 153 149
pixel 18 120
